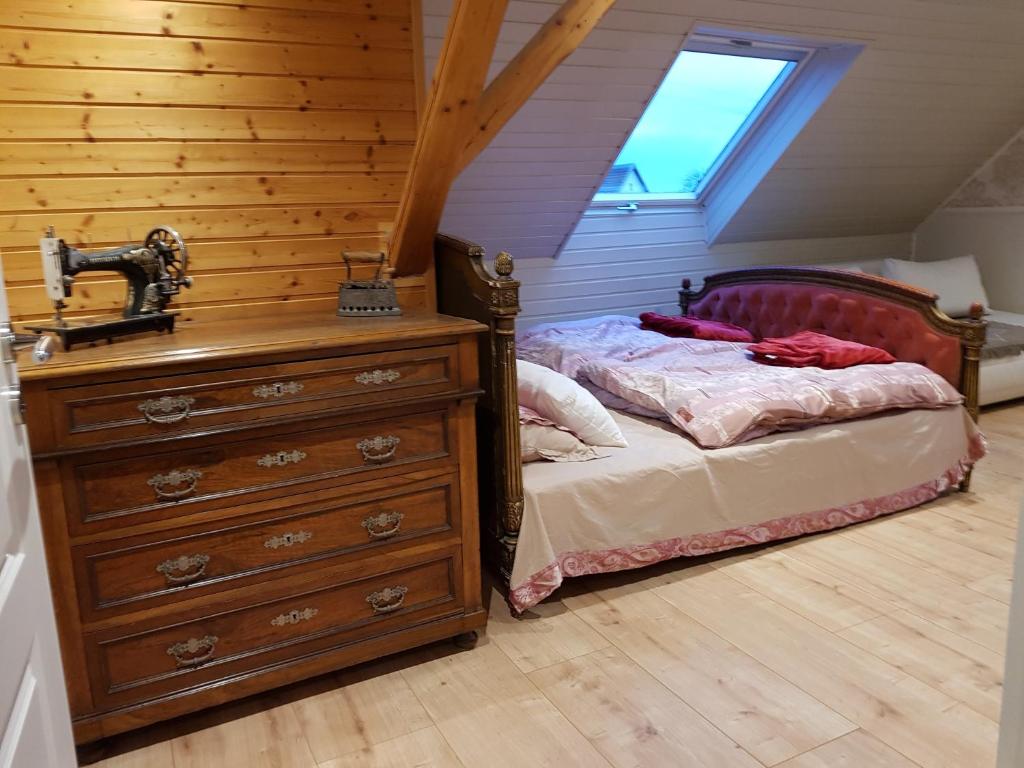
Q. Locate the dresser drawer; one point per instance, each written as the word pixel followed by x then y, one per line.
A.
pixel 321 615
pixel 128 575
pixel 227 472
pixel 92 415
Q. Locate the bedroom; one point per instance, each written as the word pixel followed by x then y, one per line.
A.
pixel 264 530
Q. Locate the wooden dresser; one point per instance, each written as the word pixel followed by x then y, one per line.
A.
pixel 241 505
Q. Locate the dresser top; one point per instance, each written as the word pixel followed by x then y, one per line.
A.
pixel 226 339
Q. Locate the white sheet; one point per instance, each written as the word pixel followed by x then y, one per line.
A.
pixel 618 512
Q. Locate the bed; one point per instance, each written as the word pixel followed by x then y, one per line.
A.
pixel 545 522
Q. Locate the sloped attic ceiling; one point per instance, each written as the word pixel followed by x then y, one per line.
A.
pixel 939 87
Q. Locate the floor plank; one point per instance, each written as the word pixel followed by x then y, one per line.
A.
pixel 937 555
pixel 959 525
pixel 425 748
pixel 917 720
pixel 966 671
pixel 492 715
pixel 547 634
pixel 855 750
pixel 357 710
pixel 765 714
pixel 265 738
pixel 937 598
pixel 631 718
pixel 828 601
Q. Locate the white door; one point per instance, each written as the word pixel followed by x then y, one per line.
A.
pixel 35 726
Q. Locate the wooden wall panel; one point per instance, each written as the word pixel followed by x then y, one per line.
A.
pixel 616 262
pixel 272 134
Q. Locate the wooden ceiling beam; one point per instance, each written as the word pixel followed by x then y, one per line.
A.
pixel 549 47
pixel 448 117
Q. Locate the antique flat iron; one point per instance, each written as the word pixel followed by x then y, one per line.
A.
pixel 155 271
pixel 366 298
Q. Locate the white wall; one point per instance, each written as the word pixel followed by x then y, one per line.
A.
pixel 621 262
pixel 996 238
pixel 985 217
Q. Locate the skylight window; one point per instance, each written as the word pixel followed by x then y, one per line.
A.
pixel 713 94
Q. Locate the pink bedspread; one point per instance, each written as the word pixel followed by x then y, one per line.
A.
pixel 714 392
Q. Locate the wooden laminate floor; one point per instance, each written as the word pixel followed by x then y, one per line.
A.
pixel 877 646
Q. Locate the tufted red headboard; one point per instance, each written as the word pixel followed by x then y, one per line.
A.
pixel 901 319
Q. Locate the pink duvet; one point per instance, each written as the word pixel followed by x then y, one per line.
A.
pixel 713 391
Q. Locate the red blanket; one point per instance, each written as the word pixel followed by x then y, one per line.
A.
pixel 692 328
pixel 810 349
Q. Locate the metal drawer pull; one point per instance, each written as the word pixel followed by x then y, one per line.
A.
pixel 287 539
pixel 278 389
pixel 167 410
pixel 202 646
pixel 176 477
pixel 378 376
pixel 388 599
pixel 383 526
pixel 281 458
pixel 184 569
pixel 378 450
pixel 294 617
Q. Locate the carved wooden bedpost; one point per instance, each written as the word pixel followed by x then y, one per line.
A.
pixel 685 297
pixel 970 369
pixel 465 288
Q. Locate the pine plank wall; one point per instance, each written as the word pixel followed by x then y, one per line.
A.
pixel 272 134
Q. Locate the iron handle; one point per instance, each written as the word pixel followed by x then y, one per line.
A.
pixel 167 410
pixel 176 477
pixel 199 649
pixel 379 449
pixel 383 526
pixel 184 569
pixel 387 600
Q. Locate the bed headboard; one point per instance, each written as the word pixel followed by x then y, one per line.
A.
pixel 466 289
pixel 901 319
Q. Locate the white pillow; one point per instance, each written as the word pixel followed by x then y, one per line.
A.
pixel 956 281
pixel 561 400
pixel 538 441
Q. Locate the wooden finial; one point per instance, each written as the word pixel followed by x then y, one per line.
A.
pixel 977 311
pixel 503 264
pixel 686 283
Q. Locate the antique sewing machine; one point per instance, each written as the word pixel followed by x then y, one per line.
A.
pixel 155 271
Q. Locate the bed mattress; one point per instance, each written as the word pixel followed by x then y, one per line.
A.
pixel 664 497
pixel 1002 378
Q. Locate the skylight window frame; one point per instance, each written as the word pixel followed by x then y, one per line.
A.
pixel 731 44
pixel 761 113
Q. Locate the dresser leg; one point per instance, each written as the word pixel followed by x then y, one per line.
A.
pixel 92 752
pixel 467 640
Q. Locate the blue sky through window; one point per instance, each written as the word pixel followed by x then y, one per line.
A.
pixel 703 101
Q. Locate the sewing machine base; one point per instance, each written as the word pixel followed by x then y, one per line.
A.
pixel 84 332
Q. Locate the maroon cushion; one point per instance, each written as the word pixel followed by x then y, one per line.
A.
pixel 693 328
pixel 771 309
pixel 808 348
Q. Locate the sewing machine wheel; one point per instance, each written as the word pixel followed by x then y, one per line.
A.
pixel 174 248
